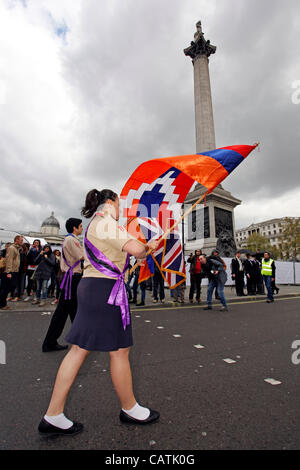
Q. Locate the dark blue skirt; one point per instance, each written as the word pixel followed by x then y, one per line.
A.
pixel 97 325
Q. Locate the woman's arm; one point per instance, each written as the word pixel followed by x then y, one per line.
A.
pixel 36 259
pixel 50 260
pixel 138 249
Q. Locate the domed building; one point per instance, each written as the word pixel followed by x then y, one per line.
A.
pixel 50 226
pixel 49 231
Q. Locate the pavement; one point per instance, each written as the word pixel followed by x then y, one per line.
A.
pixel 221 380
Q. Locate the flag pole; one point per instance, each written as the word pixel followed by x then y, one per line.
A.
pixel 167 233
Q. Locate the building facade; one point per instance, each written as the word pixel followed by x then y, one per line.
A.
pixel 271 229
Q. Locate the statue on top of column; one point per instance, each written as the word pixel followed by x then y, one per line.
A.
pixel 199 31
pixel 199 46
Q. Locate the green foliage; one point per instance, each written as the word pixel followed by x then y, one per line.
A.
pixel 257 243
pixel 290 244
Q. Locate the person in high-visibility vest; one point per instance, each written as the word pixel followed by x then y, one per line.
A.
pixel 268 274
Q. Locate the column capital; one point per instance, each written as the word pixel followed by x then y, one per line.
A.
pixel 200 46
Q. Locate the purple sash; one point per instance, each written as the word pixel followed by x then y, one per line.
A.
pixel 67 279
pixel 118 295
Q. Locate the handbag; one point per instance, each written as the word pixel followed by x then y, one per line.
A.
pixel 33 274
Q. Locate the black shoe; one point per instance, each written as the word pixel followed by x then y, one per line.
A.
pixel 125 418
pixel 46 429
pixel 269 301
pixel 140 303
pixel 57 347
pixel 208 308
pixel 132 301
pixel 277 290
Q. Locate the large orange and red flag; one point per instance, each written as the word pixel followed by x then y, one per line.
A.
pixel 153 196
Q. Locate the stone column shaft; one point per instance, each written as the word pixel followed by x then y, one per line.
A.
pixel 204 120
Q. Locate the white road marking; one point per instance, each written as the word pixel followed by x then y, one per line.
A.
pixel 229 361
pixel 272 381
pixel 177 336
pixel 198 346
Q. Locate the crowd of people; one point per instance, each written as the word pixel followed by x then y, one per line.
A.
pixel 254 273
pixel 33 273
pixel 250 273
pixel 29 273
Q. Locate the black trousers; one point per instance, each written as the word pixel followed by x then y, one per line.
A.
pixel 65 308
pixel 195 286
pixel 158 286
pixel 239 283
pixel 31 283
pixel 8 284
pixel 250 285
pixel 258 284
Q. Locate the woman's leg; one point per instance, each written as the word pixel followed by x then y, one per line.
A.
pixel 44 290
pixel 192 288
pixel 66 375
pixel 121 377
pixel 38 289
pixel 198 286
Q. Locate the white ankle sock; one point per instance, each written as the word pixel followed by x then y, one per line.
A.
pixel 138 412
pixel 60 421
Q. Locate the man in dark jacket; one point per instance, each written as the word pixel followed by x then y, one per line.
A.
pixel 257 277
pixel 249 269
pixel 70 264
pixel 237 273
pixel 217 277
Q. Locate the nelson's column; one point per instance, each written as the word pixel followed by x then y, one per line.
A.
pixel 213 225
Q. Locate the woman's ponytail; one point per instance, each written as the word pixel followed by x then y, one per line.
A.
pixel 94 199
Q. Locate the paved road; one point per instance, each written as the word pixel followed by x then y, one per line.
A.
pixel 205 402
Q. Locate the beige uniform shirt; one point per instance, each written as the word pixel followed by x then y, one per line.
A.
pixel 109 237
pixel 73 251
pixel 12 259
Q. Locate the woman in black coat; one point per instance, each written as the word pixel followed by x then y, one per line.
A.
pixel 46 263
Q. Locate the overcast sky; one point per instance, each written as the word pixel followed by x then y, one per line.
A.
pixel 89 89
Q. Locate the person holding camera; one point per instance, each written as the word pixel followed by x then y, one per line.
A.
pixel 196 278
pixel 217 277
pixel 45 261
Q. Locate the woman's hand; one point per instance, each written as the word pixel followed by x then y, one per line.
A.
pixel 153 245
pixel 141 262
